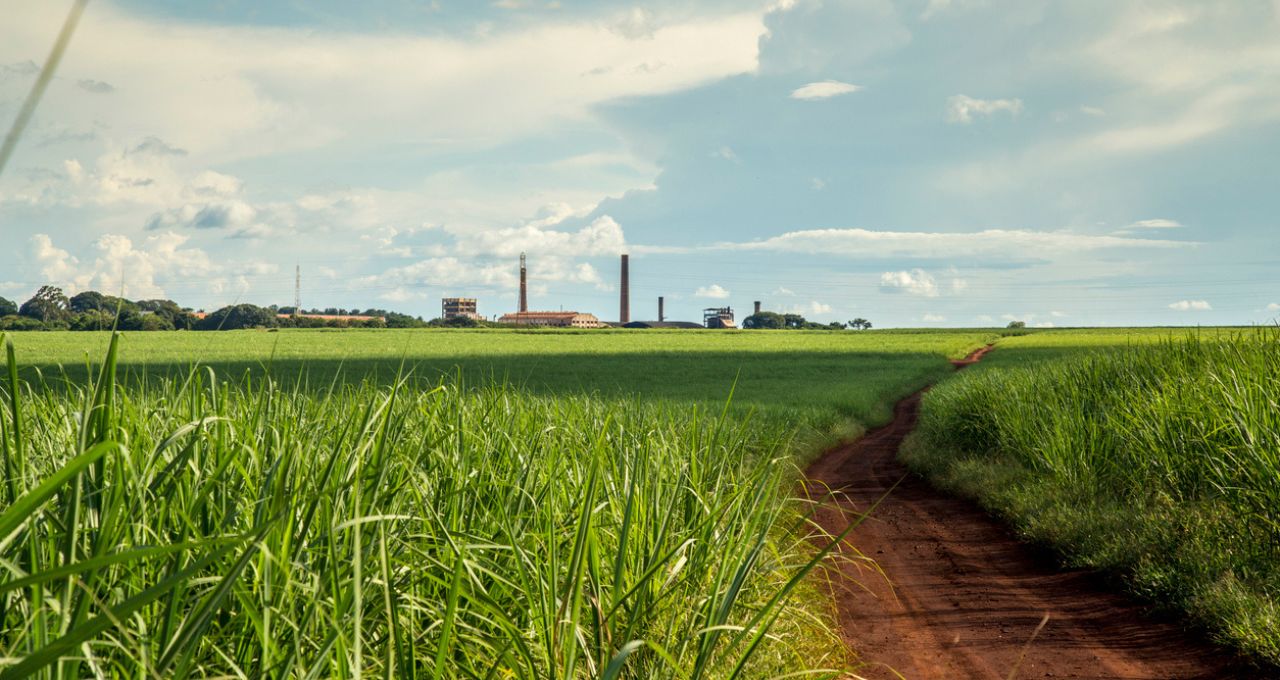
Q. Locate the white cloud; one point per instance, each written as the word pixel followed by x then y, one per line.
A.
pixel 962 108
pixel 818 183
pixel 1155 224
pixel 933 318
pixel 226 92
pixel 1093 111
pixel 120 267
pixel 1044 324
pixel 783 291
pixel 824 89
pixel 914 282
pixel 713 292
pixel 1273 307
pixel 603 236
pixel 1002 243
pixel 1191 306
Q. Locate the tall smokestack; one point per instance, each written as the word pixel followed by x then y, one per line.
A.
pixel 524 285
pixel 624 309
pixel 661 317
pixel 757 306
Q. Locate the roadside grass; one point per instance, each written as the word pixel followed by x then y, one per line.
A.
pixel 1153 457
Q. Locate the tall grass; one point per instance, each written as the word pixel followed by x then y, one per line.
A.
pixel 1160 462
pixel 206 528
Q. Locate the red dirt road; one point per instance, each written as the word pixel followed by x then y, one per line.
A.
pixel 960 596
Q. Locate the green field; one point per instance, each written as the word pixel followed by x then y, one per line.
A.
pixel 1152 455
pixel 517 505
pixel 815 376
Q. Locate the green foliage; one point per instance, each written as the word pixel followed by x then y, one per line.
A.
pixel 237 317
pixel 764 320
pixel 1017 324
pixel 860 324
pixel 1157 460
pixel 207 528
pixel 49 305
pixel 7 307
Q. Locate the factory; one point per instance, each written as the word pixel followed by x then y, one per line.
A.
pixel 712 317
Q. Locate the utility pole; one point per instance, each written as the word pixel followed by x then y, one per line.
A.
pixel 297 289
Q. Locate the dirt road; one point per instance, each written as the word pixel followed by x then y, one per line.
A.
pixel 960 597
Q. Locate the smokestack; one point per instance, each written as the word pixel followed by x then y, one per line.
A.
pixel 624 309
pixel 757 306
pixel 661 316
pixel 524 285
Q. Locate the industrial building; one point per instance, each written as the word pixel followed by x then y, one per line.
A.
pixel 718 317
pixel 452 308
pixel 561 319
pixel 553 319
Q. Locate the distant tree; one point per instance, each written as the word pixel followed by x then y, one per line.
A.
pixel 396 320
pixel 859 324
pixel 8 307
pixel 793 321
pixel 461 322
pixel 176 317
pixel 48 305
pixel 764 320
pixel 1017 324
pixel 21 323
pixel 236 317
pixel 835 326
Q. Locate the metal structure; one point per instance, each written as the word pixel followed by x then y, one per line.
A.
pixel 524 285
pixel 718 317
pixel 624 305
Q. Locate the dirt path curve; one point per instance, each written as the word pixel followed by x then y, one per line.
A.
pixel 966 596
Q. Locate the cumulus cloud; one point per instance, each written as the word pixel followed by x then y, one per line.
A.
pixel 933 318
pixel 962 108
pixel 713 292
pixel 603 236
pixel 914 282
pixel 1273 307
pixel 120 266
pixel 824 89
pixel 1191 306
pixel 219 215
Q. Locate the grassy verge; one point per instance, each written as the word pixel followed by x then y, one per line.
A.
pixel 1157 462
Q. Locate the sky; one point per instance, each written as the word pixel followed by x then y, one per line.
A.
pixel 922 163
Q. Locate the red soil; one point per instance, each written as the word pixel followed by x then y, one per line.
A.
pixel 946 592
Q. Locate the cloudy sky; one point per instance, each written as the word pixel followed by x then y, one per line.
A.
pixel 917 163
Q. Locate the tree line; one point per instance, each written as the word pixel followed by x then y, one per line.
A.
pixel 51 309
pixel 776 321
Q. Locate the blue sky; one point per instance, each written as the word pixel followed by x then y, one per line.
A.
pixel 916 163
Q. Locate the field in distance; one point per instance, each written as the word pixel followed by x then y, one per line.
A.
pixel 828 375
